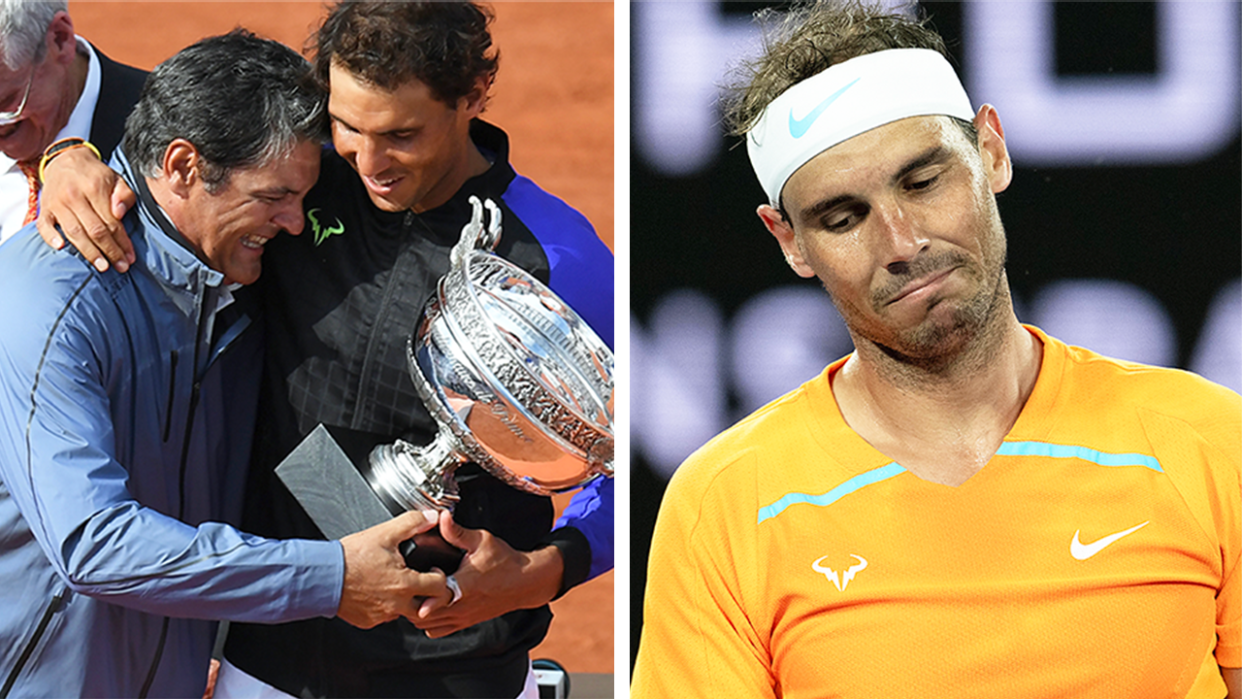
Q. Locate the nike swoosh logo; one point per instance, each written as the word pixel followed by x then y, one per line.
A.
pixel 1083 551
pixel 798 127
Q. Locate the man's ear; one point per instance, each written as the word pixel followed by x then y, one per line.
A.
pixel 180 167
pixel 62 44
pixel 475 101
pixel 992 149
pixel 783 231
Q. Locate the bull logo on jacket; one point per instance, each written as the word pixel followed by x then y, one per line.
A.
pixel 323 233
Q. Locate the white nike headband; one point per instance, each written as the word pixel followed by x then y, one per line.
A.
pixel 845 100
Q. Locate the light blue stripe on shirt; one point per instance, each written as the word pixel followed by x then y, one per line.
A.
pixel 1055 451
pixel 1065 451
pixel 861 480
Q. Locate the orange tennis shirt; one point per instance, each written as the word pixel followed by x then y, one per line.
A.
pixel 1095 555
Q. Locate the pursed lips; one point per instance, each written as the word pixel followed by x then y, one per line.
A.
pixel 917 284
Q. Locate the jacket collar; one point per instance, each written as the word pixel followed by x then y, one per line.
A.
pixel 163 250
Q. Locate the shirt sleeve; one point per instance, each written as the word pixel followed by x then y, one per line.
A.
pixel 580 265
pixel 699 638
pixel 1229 619
pixel 1211 485
pixel 1229 523
pixel 1197 430
pixel 590 513
pixel 59 466
pixel 582 275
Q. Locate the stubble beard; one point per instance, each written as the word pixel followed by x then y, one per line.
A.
pixel 941 347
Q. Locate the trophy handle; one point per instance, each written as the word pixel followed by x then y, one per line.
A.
pixel 476 236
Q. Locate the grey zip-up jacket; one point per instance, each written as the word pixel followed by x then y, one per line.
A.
pixel 127 405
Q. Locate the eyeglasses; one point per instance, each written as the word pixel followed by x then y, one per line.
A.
pixel 7 118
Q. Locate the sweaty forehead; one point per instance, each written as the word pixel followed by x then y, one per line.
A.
pixel 870 159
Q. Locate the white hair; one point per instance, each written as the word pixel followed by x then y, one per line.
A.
pixel 23 25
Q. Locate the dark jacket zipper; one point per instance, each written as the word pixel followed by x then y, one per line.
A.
pixel 185 454
pixel 369 358
pixel 52 608
pixel 172 391
pixel 159 652
pixel 185 448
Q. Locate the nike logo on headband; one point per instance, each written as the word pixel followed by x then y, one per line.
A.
pixel 799 127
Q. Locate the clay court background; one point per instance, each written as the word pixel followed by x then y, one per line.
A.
pixel 554 95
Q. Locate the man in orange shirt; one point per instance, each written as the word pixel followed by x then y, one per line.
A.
pixel 964 506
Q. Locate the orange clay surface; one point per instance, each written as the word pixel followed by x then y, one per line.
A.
pixel 554 96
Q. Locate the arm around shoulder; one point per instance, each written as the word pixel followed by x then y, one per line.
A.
pixel 83 200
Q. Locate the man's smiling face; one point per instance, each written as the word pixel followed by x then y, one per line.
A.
pixel 410 149
pixel 230 226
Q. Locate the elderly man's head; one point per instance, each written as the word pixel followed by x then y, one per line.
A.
pixel 227 135
pixel 41 75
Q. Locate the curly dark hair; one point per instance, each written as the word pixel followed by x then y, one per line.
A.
pixel 808 38
pixel 446 45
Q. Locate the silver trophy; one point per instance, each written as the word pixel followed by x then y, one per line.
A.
pixel 514 379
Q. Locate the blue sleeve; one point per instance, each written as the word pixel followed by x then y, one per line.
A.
pixel 581 265
pixel 57 462
pixel 591 512
pixel 582 275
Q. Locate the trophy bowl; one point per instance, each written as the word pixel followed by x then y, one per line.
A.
pixel 516 381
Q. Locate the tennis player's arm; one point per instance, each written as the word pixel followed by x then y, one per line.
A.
pixel 700 638
pixel 82 202
pixel 1233 680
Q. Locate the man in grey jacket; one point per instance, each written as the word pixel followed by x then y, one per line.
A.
pixel 127 400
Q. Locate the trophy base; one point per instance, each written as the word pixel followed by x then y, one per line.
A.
pixel 429 550
pixel 328 474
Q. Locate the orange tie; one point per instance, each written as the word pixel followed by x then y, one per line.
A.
pixel 31 170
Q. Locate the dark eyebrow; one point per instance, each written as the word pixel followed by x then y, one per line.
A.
pixel 391 132
pixel 935 154
pixel 334 117
pixel 821 207
pixel 275 192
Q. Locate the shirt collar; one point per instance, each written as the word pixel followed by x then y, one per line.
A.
pixel 79 124
pixel 167 253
